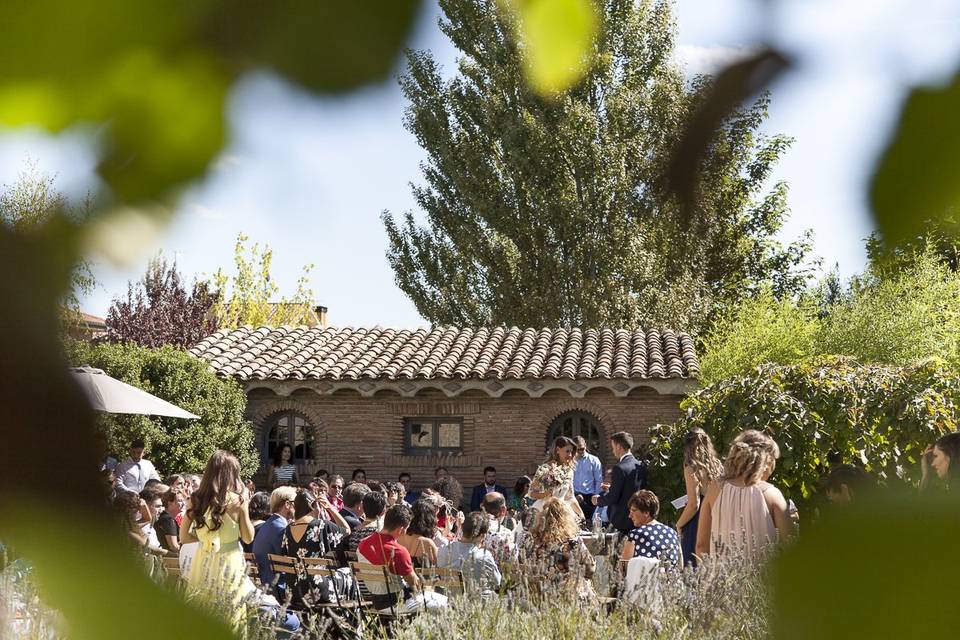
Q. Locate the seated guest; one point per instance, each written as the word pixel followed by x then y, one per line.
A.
pixel 417 539
pixel 382 549
pixel 489 486
pixel 499 539
pixel 846 483
pixel 649 538
pixel 374 504
pixel 259 511
pixel 553 556
pixel 154 502
pixel 131 509
pixel 358 475
pixel 480 571
pixel 410 496
pixel 175 482
pixel 450 490
pixel 307 537
pixel 352 510
pixel 269 536
pixel 168 531
pixel 395 493
pixel 322 474
pixel 519 501
pixel 335 491
pixel 440 473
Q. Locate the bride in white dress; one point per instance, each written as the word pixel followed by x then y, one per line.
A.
pixel 554 478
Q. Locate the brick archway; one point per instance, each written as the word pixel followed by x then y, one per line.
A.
pixel 267 409
pixel 605 422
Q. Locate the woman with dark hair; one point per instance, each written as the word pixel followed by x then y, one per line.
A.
pixel 307 537
pixel 650 538
pixel 282 471
pixel 419 537
pixel 701 467
pixel 520 501
pixel 554 478
pixel 218 518
pixel 259 512
pixel 943 457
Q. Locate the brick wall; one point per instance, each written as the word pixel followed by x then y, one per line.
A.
pixel 509 432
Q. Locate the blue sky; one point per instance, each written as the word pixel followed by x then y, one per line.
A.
pixel 310 176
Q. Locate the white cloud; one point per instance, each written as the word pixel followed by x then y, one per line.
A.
pixel 697 60
pixel 204 211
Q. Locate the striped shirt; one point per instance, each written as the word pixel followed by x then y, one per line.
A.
pixel 284 473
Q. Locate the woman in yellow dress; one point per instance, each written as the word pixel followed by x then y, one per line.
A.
pixel 218 518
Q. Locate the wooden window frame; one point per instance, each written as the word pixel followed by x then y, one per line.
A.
pixel 435 421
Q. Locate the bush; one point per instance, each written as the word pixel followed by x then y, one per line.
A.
pixel 826 411
pixel 171 373
pixel 890 317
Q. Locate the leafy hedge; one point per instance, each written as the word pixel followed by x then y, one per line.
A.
pixel 824 411
pixel 173 445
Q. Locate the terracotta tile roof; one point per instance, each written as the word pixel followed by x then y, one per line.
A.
pixel 314 353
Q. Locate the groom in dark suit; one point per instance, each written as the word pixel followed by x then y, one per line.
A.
pixel 629 476
pixel 489 486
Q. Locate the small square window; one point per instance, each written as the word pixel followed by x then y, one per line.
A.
pixel 425 436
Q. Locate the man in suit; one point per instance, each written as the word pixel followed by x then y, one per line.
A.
pixel 629 476
pixel 352 510
pixel 489 486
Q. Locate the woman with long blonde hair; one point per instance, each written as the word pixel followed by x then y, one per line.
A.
pixel 701 467
pixel 218 518
pixel 742 512
pixel 553 550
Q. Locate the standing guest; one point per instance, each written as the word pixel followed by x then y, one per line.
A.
pixel 410 496
pixel 382 549
pixel 259 512
pixel 282 471
pixel 352 510
pixel 701 467
pixel 469 555
pixel 650 538
pixel 418 539
pixel 440 473
pixel 500 540
pixel 587 477
pixel 218 518
pixel 629 476
pixel 374 506
pixel 742 512
pixel 335 491
pixel 358 475
pixel 554 478
pixel 489 486
pixel 133 473
pixel 307 537
pixel 519 501
pixel 168 531
pixel 846 483
pixel 553 553
pixel 943 457
pixel 268 538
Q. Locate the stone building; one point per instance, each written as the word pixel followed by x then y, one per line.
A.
pixel 399 400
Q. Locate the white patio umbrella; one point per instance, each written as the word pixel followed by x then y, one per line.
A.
pixel 113 396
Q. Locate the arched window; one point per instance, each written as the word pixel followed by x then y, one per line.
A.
pixel 573 424
pixel 292 428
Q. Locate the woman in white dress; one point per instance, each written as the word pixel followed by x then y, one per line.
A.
pixel 554 478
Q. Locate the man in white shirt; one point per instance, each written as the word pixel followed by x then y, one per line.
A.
pixel 132 474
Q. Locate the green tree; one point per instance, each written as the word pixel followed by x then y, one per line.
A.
pixel 249 297
pixel 553 211
pixel 175 445
pixel 33 202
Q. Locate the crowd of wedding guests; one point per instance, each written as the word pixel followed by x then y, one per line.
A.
pixel 541 527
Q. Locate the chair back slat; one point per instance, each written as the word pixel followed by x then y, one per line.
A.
pixel 450 580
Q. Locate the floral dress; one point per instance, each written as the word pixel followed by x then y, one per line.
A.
pixel 560 566
pixel 320 538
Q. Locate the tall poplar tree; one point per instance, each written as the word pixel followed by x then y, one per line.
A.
pixel 553 211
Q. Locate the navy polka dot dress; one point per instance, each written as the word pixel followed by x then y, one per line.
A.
pixel 657 541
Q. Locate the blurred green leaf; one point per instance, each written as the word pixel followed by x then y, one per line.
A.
pixel 880 568
pixel 556 36
pixel 918 177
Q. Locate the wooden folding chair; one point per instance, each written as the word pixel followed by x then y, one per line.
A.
pixel 447 581
pixel 171 568
pixel 374 579
pixel 252 570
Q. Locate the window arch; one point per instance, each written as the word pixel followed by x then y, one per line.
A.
pixel 290 427
pixel 573 424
